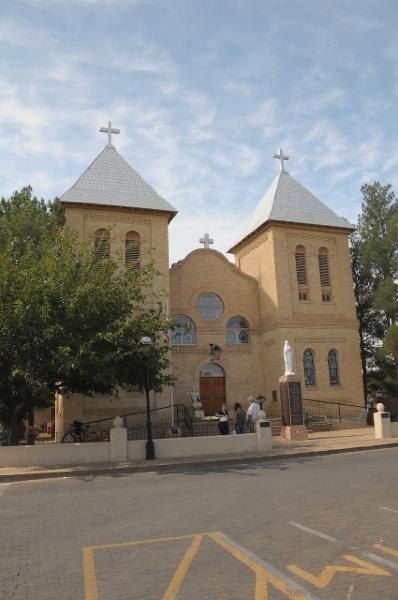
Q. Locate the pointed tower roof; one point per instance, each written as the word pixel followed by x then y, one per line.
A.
pixel 286 200
pixel 111 181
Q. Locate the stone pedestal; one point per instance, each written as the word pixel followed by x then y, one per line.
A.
pixel 294 433
pixel 382 421
pixel 118 439
pixel 264 434
pixel 293 427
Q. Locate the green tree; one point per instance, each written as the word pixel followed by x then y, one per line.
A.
pixel 68 322
pixel 374 252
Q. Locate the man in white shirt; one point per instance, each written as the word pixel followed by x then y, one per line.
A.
pixel 252 413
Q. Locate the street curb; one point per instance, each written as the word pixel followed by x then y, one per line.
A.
pixel 179 466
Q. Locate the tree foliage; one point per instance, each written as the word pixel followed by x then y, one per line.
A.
pixel 374 253
pixel 69 322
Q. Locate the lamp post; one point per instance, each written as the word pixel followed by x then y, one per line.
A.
pixel 146 341
pixel 215 352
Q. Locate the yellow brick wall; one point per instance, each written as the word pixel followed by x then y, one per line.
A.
pixel 153 230
pixel 209 271
pixel 309 324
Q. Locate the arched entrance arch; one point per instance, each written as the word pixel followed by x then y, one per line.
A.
pixel 212 387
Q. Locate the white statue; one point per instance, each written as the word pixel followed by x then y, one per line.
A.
pixel 288 355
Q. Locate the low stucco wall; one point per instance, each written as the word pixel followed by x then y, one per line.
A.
pixel 394 429
pixel 53 455
pixel 196 446
pixel 119 450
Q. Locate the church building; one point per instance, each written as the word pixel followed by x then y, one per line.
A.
pixel 291 280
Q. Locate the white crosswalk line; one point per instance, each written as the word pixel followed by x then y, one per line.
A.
pixel 319 534
pixel 387 508
pixel 3 487
pixel 384 561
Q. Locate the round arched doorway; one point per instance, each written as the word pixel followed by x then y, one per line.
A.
pixel 212 388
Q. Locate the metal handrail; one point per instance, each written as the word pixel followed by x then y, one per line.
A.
pixel 334 403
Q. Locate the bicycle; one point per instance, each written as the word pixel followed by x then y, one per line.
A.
pixel 76 432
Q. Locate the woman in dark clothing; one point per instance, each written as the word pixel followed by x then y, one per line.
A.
pixel 223 420
pixel 240 418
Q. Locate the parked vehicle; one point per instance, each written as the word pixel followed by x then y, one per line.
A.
pixel 80 432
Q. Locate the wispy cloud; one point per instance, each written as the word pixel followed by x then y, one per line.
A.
pixel 204 94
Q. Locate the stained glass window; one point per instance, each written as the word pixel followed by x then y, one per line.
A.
pixel 333 368
pixel 209 306
pixel 309 367
pixel 184 331
pixel 211 370
pixel 237 330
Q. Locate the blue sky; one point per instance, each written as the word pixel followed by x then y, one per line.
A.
pixel 204 92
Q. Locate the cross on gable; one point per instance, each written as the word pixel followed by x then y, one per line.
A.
pixel 206 241
pixel 282 158
pixel 109 130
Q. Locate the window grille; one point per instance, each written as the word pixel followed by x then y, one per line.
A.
pixel 102 243
pixel 323 260
pixel 324 267
pixel 132 248
pixel 300 266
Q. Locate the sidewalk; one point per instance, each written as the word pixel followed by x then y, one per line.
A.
pixel 330 442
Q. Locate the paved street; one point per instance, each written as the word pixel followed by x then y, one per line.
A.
pixel 320 527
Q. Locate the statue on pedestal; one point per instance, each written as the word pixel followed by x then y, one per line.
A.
pixel 288 356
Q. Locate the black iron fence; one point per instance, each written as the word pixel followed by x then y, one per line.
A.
pixel 164 424
pixel 334 411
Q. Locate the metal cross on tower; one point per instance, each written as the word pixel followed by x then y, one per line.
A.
pixel 282 158
pixel 109 130
pixel 206 241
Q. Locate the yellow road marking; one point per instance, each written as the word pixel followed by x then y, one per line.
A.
pixel 182 569
pixel 265 574
pixel 328 573
pixel 386 549
pixel 138 542
pixel 90 583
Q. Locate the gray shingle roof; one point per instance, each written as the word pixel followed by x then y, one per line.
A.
pixel 111 181
pixel 289 201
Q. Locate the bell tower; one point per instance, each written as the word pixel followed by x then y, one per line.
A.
pixel 297 249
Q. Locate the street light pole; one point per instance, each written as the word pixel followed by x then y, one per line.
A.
pixel 150 446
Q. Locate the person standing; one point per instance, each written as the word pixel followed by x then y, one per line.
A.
pixel 222 415
pixel 240 419
pixel 252 413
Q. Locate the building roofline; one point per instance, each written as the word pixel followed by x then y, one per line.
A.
pixel 268 224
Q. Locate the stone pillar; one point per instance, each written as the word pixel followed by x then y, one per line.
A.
pixel 118 438
pixel 293 427
pixel 263 434
pixel 382 423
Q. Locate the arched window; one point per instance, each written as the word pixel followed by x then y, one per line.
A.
pixel 309 367
pixel 102 243
pixel 301 272
pixel 323 260
pixel 333 368
pixel 211 370
pixel 184 331
pixel 237 330
pixel 132 249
